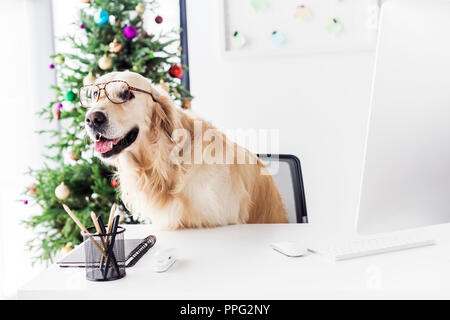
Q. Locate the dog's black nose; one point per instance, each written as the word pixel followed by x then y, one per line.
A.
pixel 96 119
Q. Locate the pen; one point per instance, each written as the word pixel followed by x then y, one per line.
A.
pixel 111 245
pixel 113 257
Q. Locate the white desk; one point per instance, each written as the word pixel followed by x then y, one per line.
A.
pixel 236 262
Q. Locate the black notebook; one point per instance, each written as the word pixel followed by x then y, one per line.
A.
pixel 134 250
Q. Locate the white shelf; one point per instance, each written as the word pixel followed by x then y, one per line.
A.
pixel 359 19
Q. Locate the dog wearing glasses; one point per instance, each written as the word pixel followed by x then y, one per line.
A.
pixel 136 126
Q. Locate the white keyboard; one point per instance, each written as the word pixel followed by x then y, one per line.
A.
pixel 372 246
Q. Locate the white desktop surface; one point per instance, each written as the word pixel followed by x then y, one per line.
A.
pixel 236 262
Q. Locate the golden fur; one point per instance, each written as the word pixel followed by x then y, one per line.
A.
pixel 182 195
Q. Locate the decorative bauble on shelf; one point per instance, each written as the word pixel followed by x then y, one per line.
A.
pixel 302 13
pixel 334 26
pixel 278 39
pixel 238 39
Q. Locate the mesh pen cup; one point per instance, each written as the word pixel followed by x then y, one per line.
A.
pixel 105 255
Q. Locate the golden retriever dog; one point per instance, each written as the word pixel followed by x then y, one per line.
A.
pixel 166 172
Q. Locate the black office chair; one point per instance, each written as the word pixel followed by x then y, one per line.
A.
pixel 287 173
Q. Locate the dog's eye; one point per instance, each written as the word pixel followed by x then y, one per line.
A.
pixel 126 95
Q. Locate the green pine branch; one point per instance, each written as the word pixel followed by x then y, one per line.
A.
pixel 88 179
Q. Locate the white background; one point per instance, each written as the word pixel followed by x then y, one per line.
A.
pixel 319 104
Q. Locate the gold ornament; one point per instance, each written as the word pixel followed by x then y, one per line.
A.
pixel 186 104
pixel 176 93
pixel 105 62
pixel 62 192
pixel 140 9
pixel 115 47
pixel 66 249
pixel 89 79
pixel 180 48
pixel 85 1
pixel 164 86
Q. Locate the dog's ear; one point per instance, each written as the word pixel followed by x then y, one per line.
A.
pixel 163 111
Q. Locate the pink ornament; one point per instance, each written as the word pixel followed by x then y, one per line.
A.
pixel 81 26
pixel 130 32
pixel 25 202
pixel 52 66
pixel 159 19
pixel 60 106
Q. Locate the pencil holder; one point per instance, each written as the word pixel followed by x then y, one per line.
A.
pixel 105 255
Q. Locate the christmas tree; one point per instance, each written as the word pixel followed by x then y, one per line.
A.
pixel 110 37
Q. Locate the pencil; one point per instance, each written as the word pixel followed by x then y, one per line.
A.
pixel 99 231
pixel 83 228
pixel 97 226
pixel 111 217
pixel 110 220
pixel 75 219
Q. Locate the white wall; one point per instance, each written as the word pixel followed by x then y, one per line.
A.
pixel 24 88
pixel 319 103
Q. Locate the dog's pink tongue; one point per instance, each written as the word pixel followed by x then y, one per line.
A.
pixel 106 145
pixel 103 146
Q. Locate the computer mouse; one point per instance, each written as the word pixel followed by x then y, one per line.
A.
pixel 164 259
pixel 290 249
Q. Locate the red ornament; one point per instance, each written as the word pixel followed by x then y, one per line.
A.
pixel 72 156
pixel 32 190
pixel 114 183
pixel 176 71
pixel 159 19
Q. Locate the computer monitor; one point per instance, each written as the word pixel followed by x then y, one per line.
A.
pixel 406 178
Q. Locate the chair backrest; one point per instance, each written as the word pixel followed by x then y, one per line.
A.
pixel 287 174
